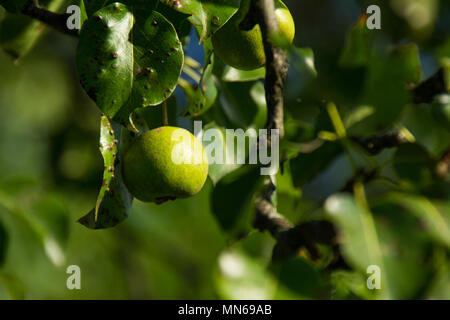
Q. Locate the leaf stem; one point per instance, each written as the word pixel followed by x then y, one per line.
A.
pixel 164 117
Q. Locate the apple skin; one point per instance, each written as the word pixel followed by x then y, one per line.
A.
pixel 159 165
pixel 244 50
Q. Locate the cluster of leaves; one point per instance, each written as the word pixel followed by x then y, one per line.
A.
pixel 389 209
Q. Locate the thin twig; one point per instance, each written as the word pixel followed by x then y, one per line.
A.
pixel 374 145
pixel 291 238
pixel 427 90
pixel 164 118
pixel 58 21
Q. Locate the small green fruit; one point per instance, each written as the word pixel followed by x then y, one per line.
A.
pixel 244 50
pixel 165 164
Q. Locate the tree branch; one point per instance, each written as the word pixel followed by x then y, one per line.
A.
pixel 276 63
pixel 262 12
pixel 291 238
pixel 58 21
pixel 374 145
pixel 425 92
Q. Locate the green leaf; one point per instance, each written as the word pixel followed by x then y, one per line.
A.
pixel 19 34
pixel 208 16
pixel 232 200
pixel 430 218
pixel 302 61
pixel 389 78
pixel 429 133
pixel 84 15
pixel 218 170
pixel 235 75
pixel 91 6
pixel 50 217
pixel 48 223
pixel 298 279
pixel 382 238
pixel 114 201
pixel 349 285
pixel 179 20
pixel 358 45
pixel 413 165
pixel 128 58
pixel 285 182
pixel 241 277
pixel 152 116
pixel 359 237
pixel 13 285
pixel 307 166
pixel 244 104
pixel 302 70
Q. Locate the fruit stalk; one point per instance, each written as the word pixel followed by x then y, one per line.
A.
pixel 165 118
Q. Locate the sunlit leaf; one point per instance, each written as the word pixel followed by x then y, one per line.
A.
pixel 216 140
pixel 209 16
pixel 234 75
pixel 240 277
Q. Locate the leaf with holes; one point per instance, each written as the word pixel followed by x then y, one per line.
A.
pixel 209 16
pixel 128 58
pixel 114 201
